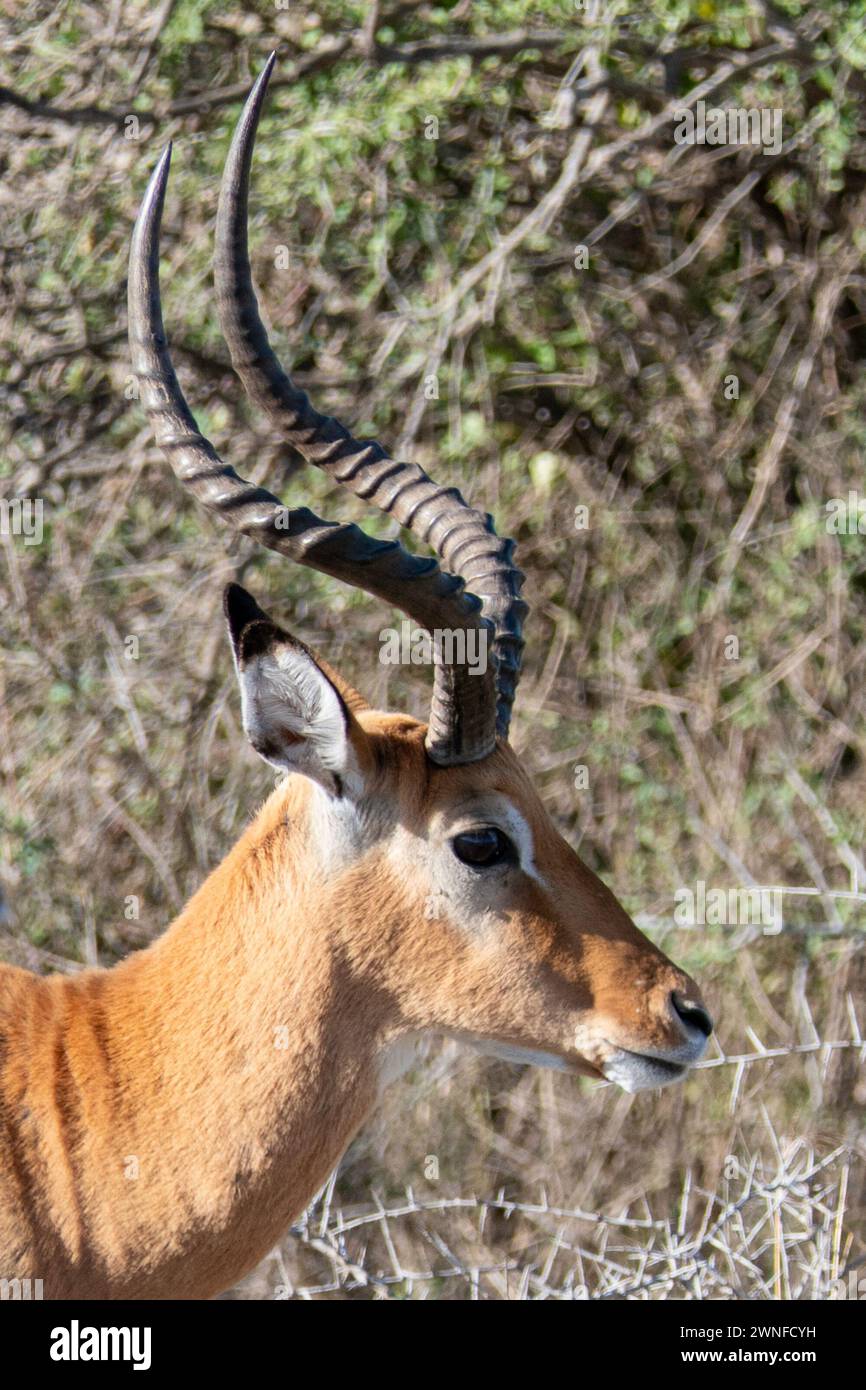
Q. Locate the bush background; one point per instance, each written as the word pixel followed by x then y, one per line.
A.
pixel 428 172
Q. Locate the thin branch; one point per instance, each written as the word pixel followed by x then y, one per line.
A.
pixel 358 43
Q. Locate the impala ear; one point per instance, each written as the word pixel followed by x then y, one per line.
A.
pixel 293 713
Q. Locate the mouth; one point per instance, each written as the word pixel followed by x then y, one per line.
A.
pixel 636 1071
pixel 633 1071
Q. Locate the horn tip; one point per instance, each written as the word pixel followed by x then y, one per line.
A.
pixel 159 177
pixel 264 77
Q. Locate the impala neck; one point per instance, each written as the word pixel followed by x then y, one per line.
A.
pixel 242 1051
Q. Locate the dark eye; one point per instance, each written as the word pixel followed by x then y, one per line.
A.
pixel 481 849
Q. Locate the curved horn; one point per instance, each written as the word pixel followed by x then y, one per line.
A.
pixel 462 722
pixel 464 539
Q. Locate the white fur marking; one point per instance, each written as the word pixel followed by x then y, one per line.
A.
pixel 284 692
pixel 521 834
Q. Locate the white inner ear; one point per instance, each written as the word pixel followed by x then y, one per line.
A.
pixel 285 694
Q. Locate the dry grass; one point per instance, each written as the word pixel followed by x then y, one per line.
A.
pixel 760 1235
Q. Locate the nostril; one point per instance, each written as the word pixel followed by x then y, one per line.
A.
pixel 693 1015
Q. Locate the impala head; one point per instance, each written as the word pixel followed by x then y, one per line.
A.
pixel 457 896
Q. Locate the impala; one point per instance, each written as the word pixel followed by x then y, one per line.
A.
pixel 164 1121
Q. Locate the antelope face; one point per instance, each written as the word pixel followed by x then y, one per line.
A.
pixel 523 951
pixel 453 891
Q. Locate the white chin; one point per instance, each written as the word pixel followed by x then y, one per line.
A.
pixel 634 1072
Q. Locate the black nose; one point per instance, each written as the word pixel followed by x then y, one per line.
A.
pixel 693 1015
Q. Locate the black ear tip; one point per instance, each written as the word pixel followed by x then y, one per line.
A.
pixel 233 594
pixel 240 609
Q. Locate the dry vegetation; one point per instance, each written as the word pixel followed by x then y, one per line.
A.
pixel 414 251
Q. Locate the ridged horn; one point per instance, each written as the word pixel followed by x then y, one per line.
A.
pixel 462 725
pixel 463 538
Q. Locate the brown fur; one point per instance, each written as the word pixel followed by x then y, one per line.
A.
pixel 166 1065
